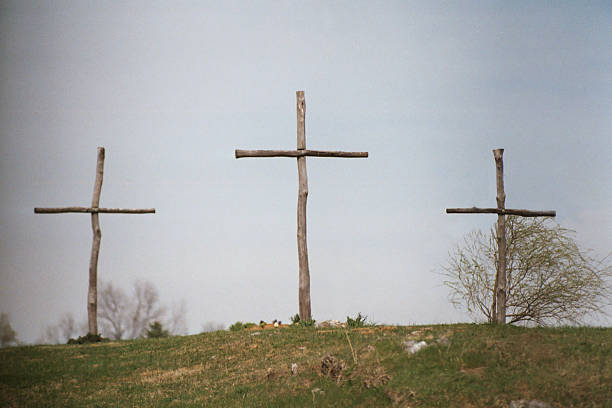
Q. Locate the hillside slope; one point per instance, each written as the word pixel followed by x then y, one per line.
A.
pixel 461 366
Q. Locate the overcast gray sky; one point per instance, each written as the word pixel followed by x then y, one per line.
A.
pixel 170 89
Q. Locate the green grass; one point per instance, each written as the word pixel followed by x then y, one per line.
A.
pixel 466 366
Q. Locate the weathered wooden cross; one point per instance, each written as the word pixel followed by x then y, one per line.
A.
pixel 300 154
pixel 94 210
pixel 499 291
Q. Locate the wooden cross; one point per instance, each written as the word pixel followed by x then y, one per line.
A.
pixel 499 291
pixel 94 210
pixel 300 154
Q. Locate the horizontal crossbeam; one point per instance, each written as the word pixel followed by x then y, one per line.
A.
pixel 298 153
pixel 93 210
pixel 501 211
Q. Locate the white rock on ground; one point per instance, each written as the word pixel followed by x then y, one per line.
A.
pixel 331 324
pixel 529 404
pixel 413 346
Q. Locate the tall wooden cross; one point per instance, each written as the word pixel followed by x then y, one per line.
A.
pixel 499 291
pixel 94 210
pixel 300 154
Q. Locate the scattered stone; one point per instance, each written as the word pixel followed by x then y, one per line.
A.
pixel 255 333
pixel 269 326
pixel 331 324
pixel 332 367
pixel 294 368
pixel 529 404
pixel 424 333
pixel 412 346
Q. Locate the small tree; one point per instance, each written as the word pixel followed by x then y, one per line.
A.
pixel 156 330
pixel 550 279
pixel 113 311
pixel 64 330
pixel 127 317
pixel 7 334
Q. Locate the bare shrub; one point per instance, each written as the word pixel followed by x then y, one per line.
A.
pixel 550 279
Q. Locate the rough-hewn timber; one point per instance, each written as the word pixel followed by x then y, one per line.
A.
pixel 301 153
pixel 94 210
pixel 58 210
pixel 503 211
pixel 498 307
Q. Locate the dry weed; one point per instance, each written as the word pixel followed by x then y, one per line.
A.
pixel 165 376
pixel 332 367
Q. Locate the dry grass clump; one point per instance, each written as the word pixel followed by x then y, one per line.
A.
pixel 332 367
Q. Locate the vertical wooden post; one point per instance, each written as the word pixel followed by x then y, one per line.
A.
pixel 304 274
pixel 92 296
pixel 94 210
pixel 301 153
pixel 500 279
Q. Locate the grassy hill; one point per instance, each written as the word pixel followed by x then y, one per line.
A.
pixel 462 366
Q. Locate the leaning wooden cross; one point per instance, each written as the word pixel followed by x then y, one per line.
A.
pixel 499 291
pixel 300 154
pixel 94 210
